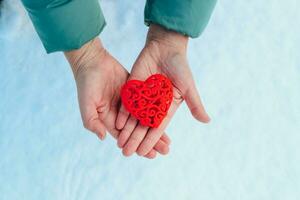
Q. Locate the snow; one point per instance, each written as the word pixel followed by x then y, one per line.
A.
pixel 247 68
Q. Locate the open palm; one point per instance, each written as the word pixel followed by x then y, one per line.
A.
pixel 163 56
pixel 99 78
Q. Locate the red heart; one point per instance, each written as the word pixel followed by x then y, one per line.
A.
pixel 148 101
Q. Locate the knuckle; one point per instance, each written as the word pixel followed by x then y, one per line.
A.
pixel 148 142
pixel 134 139
pixel 125 132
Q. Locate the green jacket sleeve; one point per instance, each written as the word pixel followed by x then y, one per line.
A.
pixel 188 17
pixel 65 24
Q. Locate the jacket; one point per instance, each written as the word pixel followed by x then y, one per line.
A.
pixel 64 25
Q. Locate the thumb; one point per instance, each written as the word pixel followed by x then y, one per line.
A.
pixel 92 122
pixel 195 105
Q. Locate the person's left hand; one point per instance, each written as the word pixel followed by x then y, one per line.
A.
pixel 164 53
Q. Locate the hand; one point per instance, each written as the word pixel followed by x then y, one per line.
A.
pixel 164 53
pixel 99 78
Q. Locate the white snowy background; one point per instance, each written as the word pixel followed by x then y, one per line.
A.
pixel 247 68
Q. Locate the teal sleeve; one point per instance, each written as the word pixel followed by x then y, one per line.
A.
pixel 64 25
pixel 188 17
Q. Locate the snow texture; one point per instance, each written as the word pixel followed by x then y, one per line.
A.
pixel 247 68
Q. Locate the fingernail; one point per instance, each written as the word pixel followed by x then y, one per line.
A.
pixel 101 136
pixel 208 118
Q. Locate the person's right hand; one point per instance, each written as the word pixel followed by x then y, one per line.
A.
pixel 99 78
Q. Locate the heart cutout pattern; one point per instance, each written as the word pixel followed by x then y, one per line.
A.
pixel 149 100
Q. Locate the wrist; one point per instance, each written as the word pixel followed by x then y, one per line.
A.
pixel 85 55
pixel 160 35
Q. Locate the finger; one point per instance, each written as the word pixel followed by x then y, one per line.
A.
pixel 123 115
pixel 135 139
pixel 126 131
pixel 109 122
pixel 92 122
pixel 101 129
pixel 151 154
pixel 161 147
pixel 165 138
pixel 154 134
pixel 195 105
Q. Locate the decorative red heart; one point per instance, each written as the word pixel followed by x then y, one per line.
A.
pixel 148 101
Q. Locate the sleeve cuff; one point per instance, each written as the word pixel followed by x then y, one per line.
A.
pixel 186 17
pixel 64 25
